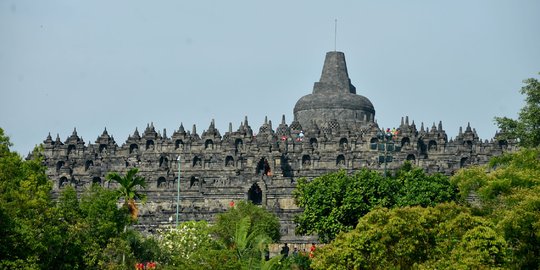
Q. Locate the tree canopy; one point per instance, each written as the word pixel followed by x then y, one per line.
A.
pixel 128 189
pixel 446 236
pixel 509 195
pixel 527 127
pixel 237 240
pixel 334 202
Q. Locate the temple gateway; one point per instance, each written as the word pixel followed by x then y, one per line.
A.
pixel 333 128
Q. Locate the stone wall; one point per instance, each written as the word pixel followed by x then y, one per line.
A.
pixel 243 165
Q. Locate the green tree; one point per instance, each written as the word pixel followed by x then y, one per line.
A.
pixel 249 246
pixel 334 202
pixel 527 127
pixel 128 189
pixel 25 210
pixel 418 188
pixel 508 190
pixel 184 246
pixel 440 237
pixel 261 220
pixel 236 241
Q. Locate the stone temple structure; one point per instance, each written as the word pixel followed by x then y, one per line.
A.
pixel 333 128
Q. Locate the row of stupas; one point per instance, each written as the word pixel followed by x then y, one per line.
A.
pixel 333 128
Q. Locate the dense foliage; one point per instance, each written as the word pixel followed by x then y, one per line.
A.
pixel 238 240
pixel 260 221
pixel 37 232
pixel 334 202
pixel 128 189
pixel 509 196
pixel 90 230
pixel 526 129
pixel 492 224
pixel 446 236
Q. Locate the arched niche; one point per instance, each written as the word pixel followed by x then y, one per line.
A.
pixel 313 143
pixel 238 144
pixel 468 143
pixel 286 167
pixel 71 149
pixel 103 148
pixel 306 160
pixel 59 165
pixel 194 181
pixel 405 142
pixel 179 144
pixel 63 181
pixel 463 162
pixel 149 145
pixel 229 161
pixel 411 157
pixel 503 144
pixel 133 148
pixel 197 162
pixel 263 167
pixel 340 161
pixel 343 143
pixel 162 182
pixel 209 144
pixel 163 162
pixel 88 164
pixel 432 146
pixel 422 147
pixel 255 194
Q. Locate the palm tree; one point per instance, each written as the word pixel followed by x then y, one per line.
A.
pixel 250 246
pixel 128 190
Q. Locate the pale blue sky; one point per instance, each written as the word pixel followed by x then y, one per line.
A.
pixel 123 64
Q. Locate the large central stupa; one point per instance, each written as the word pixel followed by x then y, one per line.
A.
pixel 334 98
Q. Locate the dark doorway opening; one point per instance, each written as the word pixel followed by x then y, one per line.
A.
pixel 255 194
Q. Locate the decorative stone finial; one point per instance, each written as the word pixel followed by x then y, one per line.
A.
pixel 334 75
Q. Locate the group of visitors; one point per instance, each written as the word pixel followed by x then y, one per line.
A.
pixel 285 250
